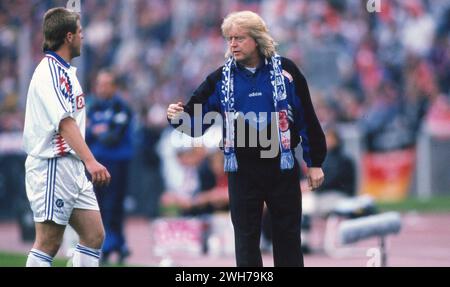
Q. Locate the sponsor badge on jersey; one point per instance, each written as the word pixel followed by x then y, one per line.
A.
pixel 80 102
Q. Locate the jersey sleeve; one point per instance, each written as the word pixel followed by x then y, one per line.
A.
pixel 53 90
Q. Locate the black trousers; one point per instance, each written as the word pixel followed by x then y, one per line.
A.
pixel 258 181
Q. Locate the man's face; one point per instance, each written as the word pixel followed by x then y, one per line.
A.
pixel 243 47
pixel 105 87
pixel 76 41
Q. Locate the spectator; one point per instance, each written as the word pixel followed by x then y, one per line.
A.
pixel 183 182
pixel 109 135
pixel 212 195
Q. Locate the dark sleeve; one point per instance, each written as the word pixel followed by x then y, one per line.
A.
pixel 206 97
pixel 314 132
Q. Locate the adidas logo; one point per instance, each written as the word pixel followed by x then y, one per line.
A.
pixel 255 94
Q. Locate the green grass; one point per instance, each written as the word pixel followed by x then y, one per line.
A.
pixel 435 204
pixel 8 259
pixel 18 260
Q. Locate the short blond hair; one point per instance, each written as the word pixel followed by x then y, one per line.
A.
pixel 57 23
pixel 256 28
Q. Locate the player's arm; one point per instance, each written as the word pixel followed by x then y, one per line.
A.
pixel 313 138
pixel 204 100
pixel 69 130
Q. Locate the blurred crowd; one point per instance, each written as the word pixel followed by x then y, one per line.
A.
pixel 381 70
pixel 356 62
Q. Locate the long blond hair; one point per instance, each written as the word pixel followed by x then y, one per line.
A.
pixel 256 28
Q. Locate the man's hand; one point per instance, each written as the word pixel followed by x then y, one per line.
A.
pixel 99 174
pixel 174 110
pixel 315 177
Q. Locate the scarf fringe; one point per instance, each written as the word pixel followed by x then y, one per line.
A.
pixel 230 162
pixel 287 160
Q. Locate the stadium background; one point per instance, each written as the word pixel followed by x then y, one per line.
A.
pixel 381 77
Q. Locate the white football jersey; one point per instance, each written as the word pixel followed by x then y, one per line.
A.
pixel 53 95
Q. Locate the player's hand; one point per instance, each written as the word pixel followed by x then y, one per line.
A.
pixel 315 177
pixel 99 174
pixel 174 110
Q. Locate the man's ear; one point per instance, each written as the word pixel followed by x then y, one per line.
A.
pixel 69 37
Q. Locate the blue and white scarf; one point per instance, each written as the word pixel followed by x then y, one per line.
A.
pixel 281 107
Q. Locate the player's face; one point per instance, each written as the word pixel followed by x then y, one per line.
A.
pixel 77 39
pixel 243 47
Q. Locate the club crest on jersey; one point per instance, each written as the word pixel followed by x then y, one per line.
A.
pixel 59 203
